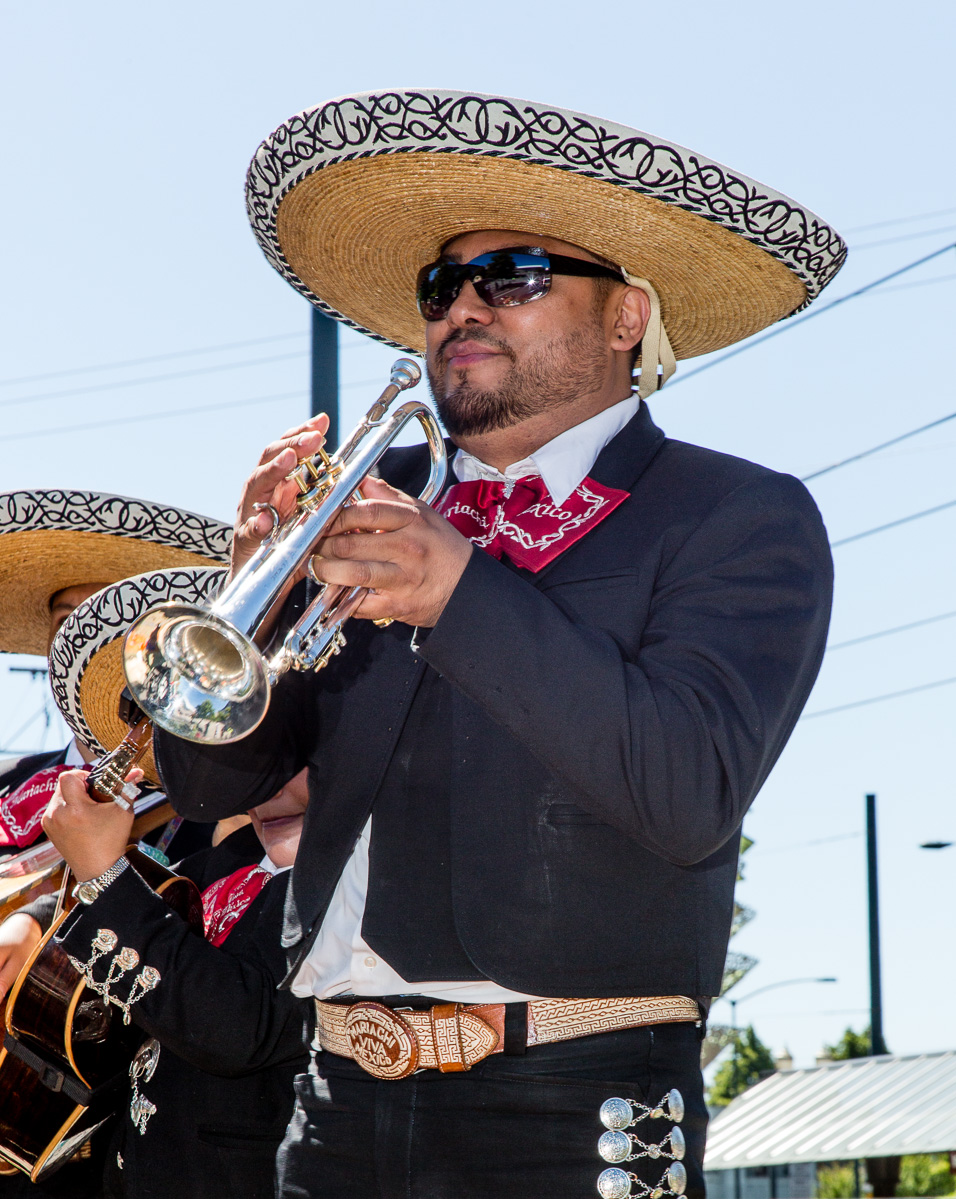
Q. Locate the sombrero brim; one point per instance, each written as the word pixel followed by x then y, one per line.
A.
pixel 50 540
pixel 86 659
pixel 350 199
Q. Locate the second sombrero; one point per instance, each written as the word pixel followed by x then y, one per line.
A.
pixel 53 539
pixel 86 658
pixel 350 198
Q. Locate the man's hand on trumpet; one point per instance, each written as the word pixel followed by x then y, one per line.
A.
pixel 269 485
pixel 398 547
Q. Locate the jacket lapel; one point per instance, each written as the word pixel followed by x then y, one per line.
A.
pixel 620 465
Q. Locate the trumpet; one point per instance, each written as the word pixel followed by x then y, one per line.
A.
pixel 195 670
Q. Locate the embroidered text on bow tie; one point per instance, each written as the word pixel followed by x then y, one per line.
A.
pixel 522 521
pixel 225 901
pixel 22 810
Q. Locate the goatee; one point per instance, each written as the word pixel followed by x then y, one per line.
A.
pixel 557 373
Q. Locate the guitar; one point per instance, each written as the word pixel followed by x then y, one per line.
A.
pixel 66 1051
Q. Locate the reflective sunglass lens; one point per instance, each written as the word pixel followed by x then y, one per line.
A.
pixel 502 279
pixel 438 288
pixel 518 288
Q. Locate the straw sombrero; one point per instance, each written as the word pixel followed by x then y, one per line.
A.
pixel 86 658
pixel 50 540
pixel 349 199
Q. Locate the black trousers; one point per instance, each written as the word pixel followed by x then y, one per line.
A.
pixel 512 1126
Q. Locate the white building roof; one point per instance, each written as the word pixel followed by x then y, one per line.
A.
pixel 865 1107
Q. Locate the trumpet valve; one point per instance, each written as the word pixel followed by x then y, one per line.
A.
pixel 335 646
pixel 312 471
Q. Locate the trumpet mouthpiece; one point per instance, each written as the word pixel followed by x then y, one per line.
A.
pixel 405 373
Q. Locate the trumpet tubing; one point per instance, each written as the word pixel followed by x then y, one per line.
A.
pixel 196 671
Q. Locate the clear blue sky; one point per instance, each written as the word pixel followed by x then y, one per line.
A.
pixel 127 131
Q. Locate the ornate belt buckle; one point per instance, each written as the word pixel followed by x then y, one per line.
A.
pixel 380 1040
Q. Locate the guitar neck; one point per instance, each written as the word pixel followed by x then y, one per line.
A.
pixel 106 781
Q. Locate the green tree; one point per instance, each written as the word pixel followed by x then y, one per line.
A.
pixel 836 1180
pixel 925 1174
pixel 749 1060
pixel 851 1044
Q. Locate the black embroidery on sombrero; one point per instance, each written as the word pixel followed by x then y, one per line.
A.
pixel 104 618
pixel 116 515
pixel 390 122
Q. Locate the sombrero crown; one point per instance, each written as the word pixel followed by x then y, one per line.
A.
pixel 350 198
pixel 86 658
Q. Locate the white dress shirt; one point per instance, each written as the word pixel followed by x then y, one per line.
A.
pixel 270 867
pixel 74 758
pixel 340 962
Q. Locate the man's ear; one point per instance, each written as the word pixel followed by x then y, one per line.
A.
pixel 634 311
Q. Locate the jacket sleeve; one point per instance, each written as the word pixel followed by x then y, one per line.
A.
pixel 206 782
pixel 42 909
pixel 220 1012
pixel 671 745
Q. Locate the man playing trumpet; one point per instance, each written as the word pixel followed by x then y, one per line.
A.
pixel 516 880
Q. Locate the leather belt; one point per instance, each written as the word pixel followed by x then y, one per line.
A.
pixel 392 1043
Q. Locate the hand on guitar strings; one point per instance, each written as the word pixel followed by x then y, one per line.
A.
pixel 91 836
pixel 19 936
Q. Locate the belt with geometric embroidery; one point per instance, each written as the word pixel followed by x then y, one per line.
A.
pixel 392 1043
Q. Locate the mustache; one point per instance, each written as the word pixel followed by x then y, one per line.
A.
pixel 480 336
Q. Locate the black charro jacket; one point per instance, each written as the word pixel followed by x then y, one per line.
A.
pixel 14 771
pixel 231 1043
pixel 613 717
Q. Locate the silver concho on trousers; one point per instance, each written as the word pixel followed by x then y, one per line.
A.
pixel 619 1145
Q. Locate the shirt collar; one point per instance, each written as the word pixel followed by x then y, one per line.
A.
pixel 268 865
pixel 565 461
pixel 74 757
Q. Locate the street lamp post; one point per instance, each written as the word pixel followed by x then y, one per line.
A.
pixel 788 982
pixel 877 1044
pixel 734 1071
pixel 325 372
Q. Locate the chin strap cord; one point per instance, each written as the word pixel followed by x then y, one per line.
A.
pixel 655 347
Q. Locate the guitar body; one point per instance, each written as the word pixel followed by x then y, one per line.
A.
pixel 77 1049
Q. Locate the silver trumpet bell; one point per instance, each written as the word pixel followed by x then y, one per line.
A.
pixel 195 671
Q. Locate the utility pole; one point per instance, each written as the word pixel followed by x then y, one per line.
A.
pixel 877 1044
pixel 325 372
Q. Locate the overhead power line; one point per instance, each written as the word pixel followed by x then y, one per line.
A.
pixel 884 445
pixel 23 728
pixel 899 220
pixel 917 283
pixel 124 362
pixel 877 699
pixel 814 312
pixel 169 413
pixel 197 370
pixel 892 241
pixel 903 520
pixel 900 628
pixel 109 366
pixel 809 844
pixel 165 414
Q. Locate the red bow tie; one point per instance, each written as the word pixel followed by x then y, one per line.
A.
pixel 224 902
pixel 22 810
pixel 521 520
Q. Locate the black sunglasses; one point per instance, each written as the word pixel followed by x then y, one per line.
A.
pixel 502 279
